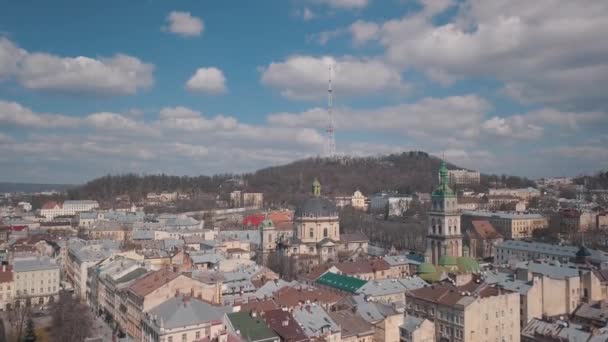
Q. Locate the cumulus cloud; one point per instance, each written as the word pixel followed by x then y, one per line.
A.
pixel 117 75
pixel 547 53
pixel 13 113
pixel 184 24
pixel 207 80
pixel 363 31
pixel 345 4
pixel 305 77
pixel 183 118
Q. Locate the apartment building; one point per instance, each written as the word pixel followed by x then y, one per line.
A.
pixel 36 280
pixel 52 209
pixel 472 312
pixel 80 256
pixel 512 250
pixel 463 177
pixel 7 287
pixel 511 225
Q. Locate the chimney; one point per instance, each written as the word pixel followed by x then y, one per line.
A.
pixel 3 267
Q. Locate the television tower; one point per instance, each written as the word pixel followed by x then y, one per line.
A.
pixel 330 144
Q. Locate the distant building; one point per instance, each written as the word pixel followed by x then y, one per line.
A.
pixel 511 225
pixel 246 199
pixel 481 237
pixel 523 251
pixel 524 194
pixel 52 209
pixel 573 220
pixel 416 329
pixel 7 286
pixel 463 177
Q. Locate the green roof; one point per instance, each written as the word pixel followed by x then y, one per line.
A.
pixel 426 268
pixel 250 328
pixel 468 264
pixel 341 282
pixel 443 190
pixel 267 224
pixel 447 260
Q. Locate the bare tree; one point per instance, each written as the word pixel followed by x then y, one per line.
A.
pixel 72 320
pixel 17 318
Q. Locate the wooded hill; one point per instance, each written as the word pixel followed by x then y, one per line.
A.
pixel 407 172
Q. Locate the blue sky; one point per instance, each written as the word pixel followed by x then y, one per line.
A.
pixel 199 87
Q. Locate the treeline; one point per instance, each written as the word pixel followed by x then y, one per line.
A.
pixel 597 181
pixel 137 186
pixel 406 172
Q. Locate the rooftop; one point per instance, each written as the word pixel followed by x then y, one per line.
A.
pixel 152 281
pixel 181 311
pixel 351 323
pixel 34 264
pixel 545 248
pixel 250 328
pixel 341 282
pixel 294 296
pixel 314 320
pixel 283 323
pixel 502 214
pixel 391 286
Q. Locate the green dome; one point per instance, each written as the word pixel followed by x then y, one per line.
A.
pixel 443 190
pixel 448 260
pixel 426 268
pixel 267 224
pixel 468 264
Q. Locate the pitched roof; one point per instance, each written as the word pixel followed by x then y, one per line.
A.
pixel 259 305
pixel 314 320
pixel 341 282
pixel 351 323
pixel 181 311
pixel 293 296
pixel 283 323
pixel 152 281
pixel 354 237
pixel 250 328
pixel 483 229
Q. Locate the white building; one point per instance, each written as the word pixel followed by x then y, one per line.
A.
pixel 36 280
pixel 523 194
pixel 52 209
pixel 463 177
pixel 515 250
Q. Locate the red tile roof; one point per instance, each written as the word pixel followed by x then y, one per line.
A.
pixel 152 281
pixel 259 305
pixel 50 205
pixel 294 296
pixel 483 229
pixel 7 275
pixel 253 220
pixel 283 323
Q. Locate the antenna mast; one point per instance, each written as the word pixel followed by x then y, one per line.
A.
pixel 330 148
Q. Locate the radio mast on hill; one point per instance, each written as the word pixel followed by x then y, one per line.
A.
pixel 330 143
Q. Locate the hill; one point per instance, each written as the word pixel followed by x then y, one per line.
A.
pixel 406 172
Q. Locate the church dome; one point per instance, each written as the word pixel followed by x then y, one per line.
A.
pixel 468 265
pixel 448 260
pixel 426 268
pixel 316 206
pixel 267 224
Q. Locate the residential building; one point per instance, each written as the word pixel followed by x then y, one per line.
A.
pixel 511 225
pixel 52 209
pixel 358 201
pixel 472 312
pixel 513 250
pixel 36 280
pixel 184 318
pixel 249 327
pixel 403 265
pixel 444 237
pixel 80 256
pixel 353 328
pixel 524 194
pixel 7 287
pixel 573 220
pixel 317 324
pixel 340 283
pixel 283 324
pixel 539 330
pixel 253 199
pixel 416 329
pixel 364 269
pixel 463 177
pixel 155 287
pixel 481 237
pixel 390 290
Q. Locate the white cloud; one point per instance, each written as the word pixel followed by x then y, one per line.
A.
pixel 346 4
pixel 13 113
pixel 512 127
pixel 364 31
pixel 546 52
pixel 308 14
pixel 107 121
pixel 5 139
pixel 184 24
pixel 305 77
pixel 186 119
pixel 118 75
pixel 207 80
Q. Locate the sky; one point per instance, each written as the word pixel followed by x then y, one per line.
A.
pixel 89 88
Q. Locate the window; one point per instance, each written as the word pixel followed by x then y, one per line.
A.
pixel 325 232
pixel 170 339
pixel 311 233
pixel 197 335
pixel 184 337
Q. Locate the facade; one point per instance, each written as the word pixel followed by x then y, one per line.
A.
pixel 7 287
pixel 52 209
pixel 253 199
pixel 36 280
pixel 443 237
pixel 463 177
pixel 80 256
pixel 513 250
pixel 510 225
pixel 482 238
pixel 398 205
pixel 473 312
pixel 416 329
pixel 574 220
pixel 524 194
pixel 358 201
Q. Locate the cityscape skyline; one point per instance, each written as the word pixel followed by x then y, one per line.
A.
pixel 203 88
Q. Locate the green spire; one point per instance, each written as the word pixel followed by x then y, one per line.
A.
pixel 444 186
pixel 316 188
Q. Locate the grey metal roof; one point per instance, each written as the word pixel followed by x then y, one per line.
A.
pixel 396 260
pixel 142 234
pixel 180 311
pixel 316 207
pixel 411 323
pixel 502 214
pixel 391 286
pixel 206 258
pixel 551 269
pixel 271 286
pixel 34 264
pixel 312 318
pixel 537 328
pixel 557 250
pixel 371 311
pixel 508 282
